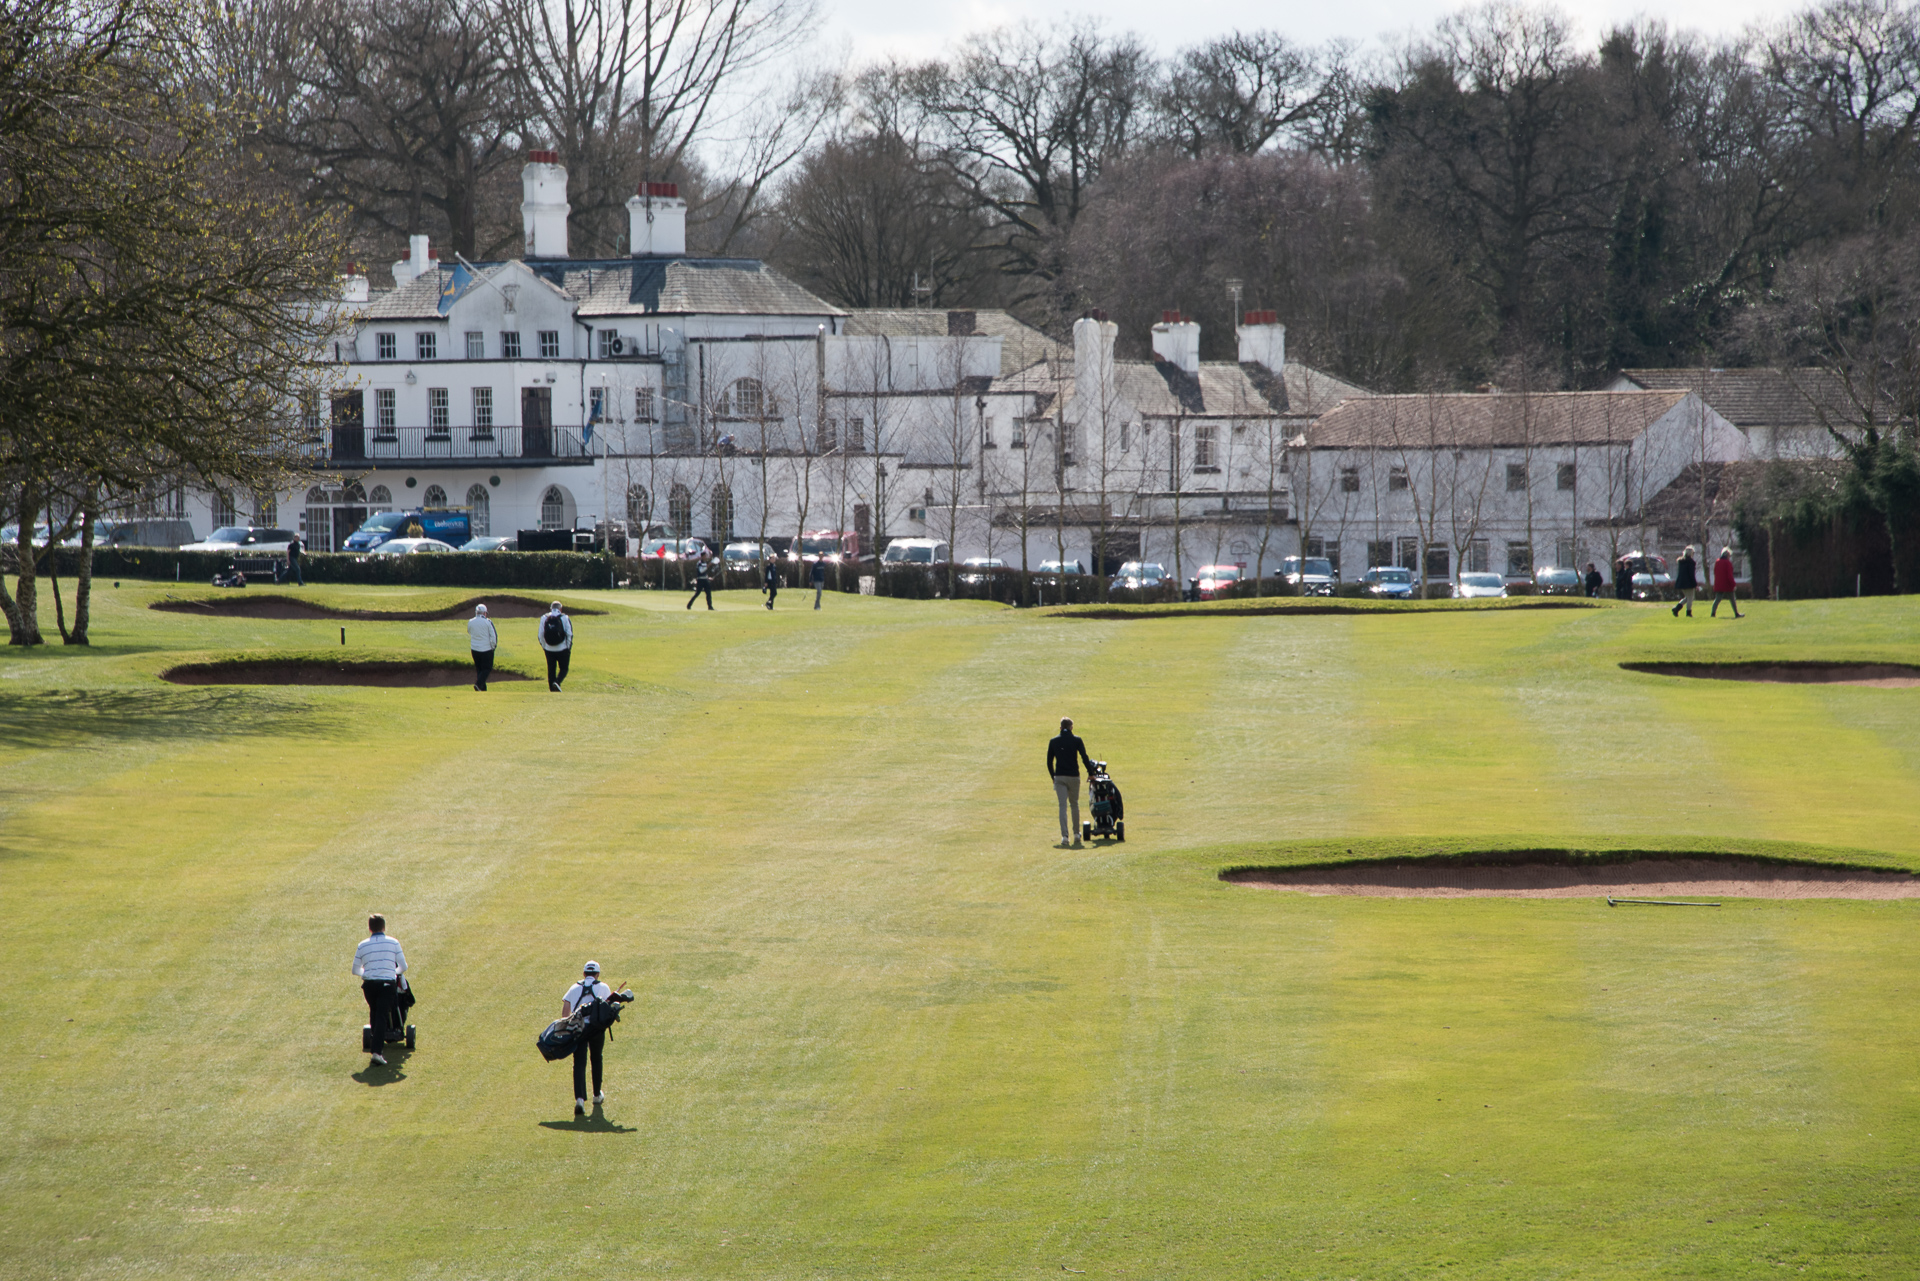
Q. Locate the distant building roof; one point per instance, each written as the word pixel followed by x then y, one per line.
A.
pixel 1021 345
pixel 621 287
pixel 1756 397
pixel 1500 419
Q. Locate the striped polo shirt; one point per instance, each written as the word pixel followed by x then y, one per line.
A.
pixel 379 958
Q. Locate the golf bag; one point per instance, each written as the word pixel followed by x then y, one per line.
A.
pixel 564 1036
pixel 1108 812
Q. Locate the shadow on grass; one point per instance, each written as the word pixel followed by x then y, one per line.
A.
pixel 376 1075
pixel 594 1124
pixel 68 718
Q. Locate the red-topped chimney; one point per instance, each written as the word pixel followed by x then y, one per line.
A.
pixel 543 157
pixel 660 190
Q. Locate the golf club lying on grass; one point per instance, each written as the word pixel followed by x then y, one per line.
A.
pixel 1652 902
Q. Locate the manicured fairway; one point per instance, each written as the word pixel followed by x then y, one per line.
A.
pixel 884 1029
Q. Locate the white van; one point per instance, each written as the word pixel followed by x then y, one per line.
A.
pixel 916 551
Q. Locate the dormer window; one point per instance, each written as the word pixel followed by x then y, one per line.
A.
pixel 386 347
pixel 426 345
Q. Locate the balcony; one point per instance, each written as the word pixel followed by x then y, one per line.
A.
pixel 360 447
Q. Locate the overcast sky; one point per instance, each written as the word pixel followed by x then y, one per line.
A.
pixel 871 29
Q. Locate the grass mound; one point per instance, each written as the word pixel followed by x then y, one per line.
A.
pixel 283 606
pixel 1790 672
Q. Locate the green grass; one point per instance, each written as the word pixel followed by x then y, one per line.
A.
pixel 884 1030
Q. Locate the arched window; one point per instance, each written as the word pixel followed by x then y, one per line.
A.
pixel 553 509
pixel 223 513
pixel 722 513
pixel 480 510
pixel 746 399
pixel 354 494
pixel 639 507
pixel 680 511
pixel 434 497
pixel 380 496
pixel 316 495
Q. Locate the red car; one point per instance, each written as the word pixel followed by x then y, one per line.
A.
pixel 1217 580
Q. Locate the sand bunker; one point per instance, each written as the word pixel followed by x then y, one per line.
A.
pixel 282 606
pixel 276 671
pixel 1640 878
pixel 1791 672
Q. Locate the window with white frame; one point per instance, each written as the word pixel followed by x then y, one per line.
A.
pixel 1019 435
pixel 553 509
pixel 385 418
pixel 380 498
pixel 639 507
pixel 1477 557
pixel 509 344
pixel 1519 560
pixel 438 419
pixel 482 412
pixel 434 497
pixel 1206 449
pixel 643 404
pixel 605 338
pixel 1563 552
pixel 549 344
pixel 386 347
pixel 426 345
pixel 223 509
pixel 476 345
pixel 479 510
pixel 747 398
pixel 596 404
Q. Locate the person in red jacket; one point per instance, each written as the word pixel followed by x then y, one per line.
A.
pixel 1723 584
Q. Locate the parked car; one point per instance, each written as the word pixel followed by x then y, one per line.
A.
pixel 485 544
pixel 413 547
pixel 1549 580
pixel 916 551
pixel 831 545
pixel 746 555
pixel 1315 576
pixel 138 533
pixel 1652 580
pixel 1137 575
pixel 441 524
pixel 253 540
pixel 42 534
pixel 1217 580
pixel 1388 581
pixel 979 565
pixel 1479 586
pixel 672 548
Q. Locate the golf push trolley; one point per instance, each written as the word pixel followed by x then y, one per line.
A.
pixel 1108 815
pixel 397 1029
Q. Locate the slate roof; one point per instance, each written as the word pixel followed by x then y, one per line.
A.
pixel 1021 345
pixel 1483 420
pixel 622 287
pixel 1756 397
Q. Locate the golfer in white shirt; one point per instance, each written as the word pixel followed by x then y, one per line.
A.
pixel 378 963
pixel 483 640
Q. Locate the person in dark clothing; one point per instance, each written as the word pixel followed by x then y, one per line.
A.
pixel 556 638
pixel 594 1044
pixel 1622 580
pixel 819 579
pixel 702 579
pixel 294 552
pixel 772 576
pixel 1686 581
pixel 1593 582
pixel 1724 585
pixel 1064 755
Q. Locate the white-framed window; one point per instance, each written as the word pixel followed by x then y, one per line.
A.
pixel 747 398
pixel 605 338
pixel 1206 449
pixel 386 347
pixel 509 344
pixel 1477 557
pixel 479 510
pixel 438 419
pixel 596 404
pixel 1018 439
pixel 680 511
pixel 549 344
pixel 380 498
pixel 433 497
pixel 476 345
pixel 385 417
pixel 1519 560
pixel 553 509
pixel 482 412
pixel 426 345
pixel 1564 553
pixel 721 512
pixel 643 404
pixel 223 509
pixel 639 507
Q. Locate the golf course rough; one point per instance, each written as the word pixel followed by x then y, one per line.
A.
pixel 884 1029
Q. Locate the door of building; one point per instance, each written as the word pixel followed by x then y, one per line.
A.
pixel 349 427
pixel 536 422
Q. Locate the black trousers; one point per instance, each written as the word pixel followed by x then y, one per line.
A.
pixel 773 590
pixel 380 994
pixel 597 1043
pixel 701 585
pixel 557 661
pixel 482 667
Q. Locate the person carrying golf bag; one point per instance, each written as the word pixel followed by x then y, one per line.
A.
pixel 599 1008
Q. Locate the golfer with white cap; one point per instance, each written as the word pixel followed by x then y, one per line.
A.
pixel 483 639
pixel 556 637
pixel 588 989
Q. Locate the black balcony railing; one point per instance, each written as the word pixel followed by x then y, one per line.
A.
pixel 359 446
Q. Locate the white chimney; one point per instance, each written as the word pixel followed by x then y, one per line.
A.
pixel 418 262
pixel 543 205
pixel 1263 341
pixel 1093 384
pixel 657 220
pixel 353 285
pixel 1176 340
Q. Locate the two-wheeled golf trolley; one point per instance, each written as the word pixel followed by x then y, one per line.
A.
pixel 397 1029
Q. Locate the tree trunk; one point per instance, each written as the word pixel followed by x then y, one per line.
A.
pixel 83 589
pixel 59 610
pixel 23 611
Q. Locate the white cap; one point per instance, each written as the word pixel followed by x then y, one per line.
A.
pixel 480 609
pixel 592 967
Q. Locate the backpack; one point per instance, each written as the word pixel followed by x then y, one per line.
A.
pixel 553 631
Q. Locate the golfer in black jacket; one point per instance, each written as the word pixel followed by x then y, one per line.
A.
pixel 772 576
pixel 1064 755
pixel 702 579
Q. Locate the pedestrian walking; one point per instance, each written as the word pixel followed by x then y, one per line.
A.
pixel 819 579
pixel 702 578
pixel 585 992
pixel 483 639
pixel 556 638
pixel 294 552
pixel 772 576
pixel 1686 581
pixel 1593 582
pixel 1622 580
pixel 378 963
pixel 1064 755
pixel 1723 584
